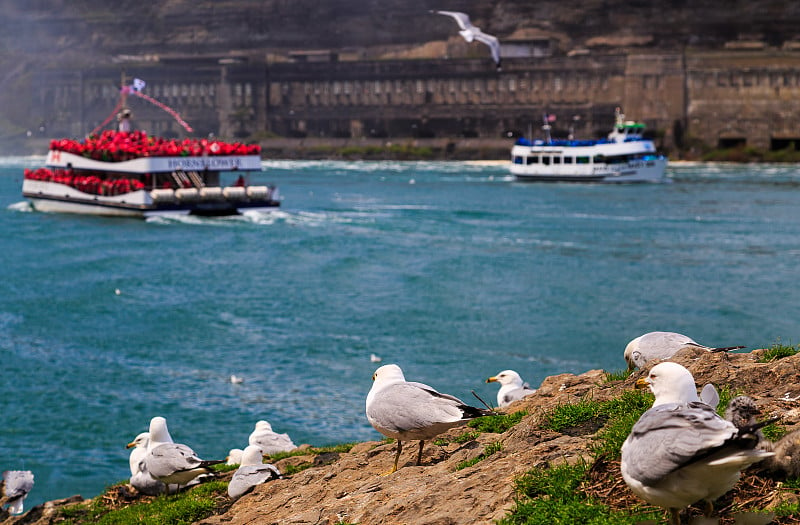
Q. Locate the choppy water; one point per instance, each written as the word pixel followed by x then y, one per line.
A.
pixel 451 270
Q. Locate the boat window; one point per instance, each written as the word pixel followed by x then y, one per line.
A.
pixel 599 159
pixel 546 161
pixel 517 160
pixel 533 160
pixel 568 160
pixel 581 160
pixel 556 160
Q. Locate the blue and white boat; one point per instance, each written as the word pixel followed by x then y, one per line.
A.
pixel 625 156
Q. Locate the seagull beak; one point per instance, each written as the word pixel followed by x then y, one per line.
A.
pixel 131 444
pixel 492 379
pixel 641 383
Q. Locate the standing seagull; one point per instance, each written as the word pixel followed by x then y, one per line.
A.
pixel 16 485
pixel 406 410
pixel 172 463
pixel 470 33
pixel 253 471
pixel 512 387
pixel 680 451
pixel 662 345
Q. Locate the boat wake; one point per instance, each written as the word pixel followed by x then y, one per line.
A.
pixel 22 206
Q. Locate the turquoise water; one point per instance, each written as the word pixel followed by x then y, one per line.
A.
pixel 451 270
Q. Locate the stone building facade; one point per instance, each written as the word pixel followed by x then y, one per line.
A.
pixel 722 98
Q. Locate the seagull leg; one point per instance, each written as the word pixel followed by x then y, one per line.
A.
pixel 419 454
pixel 396 458
pixel 709 509
pixel 675 516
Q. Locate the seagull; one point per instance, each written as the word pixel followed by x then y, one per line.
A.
pixel 662 345
pixel 407 410
pixel 470 33
pixel 234 457
pixel 141 480
pixel 236 380
pixel 680 451
pixel 269 441
pixel 375 358
pixel 16 485
pixel 512 388
pixel 169 462
pixel 253 471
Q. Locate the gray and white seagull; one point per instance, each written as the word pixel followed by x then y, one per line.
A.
pixel 680 451
pixel 169 462
pixel 470 33
pixel 406 410
pixel 252 471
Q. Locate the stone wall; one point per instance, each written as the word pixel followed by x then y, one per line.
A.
pixel 722 97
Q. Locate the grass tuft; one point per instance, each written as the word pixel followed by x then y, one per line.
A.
pixel 618 375
pixel 497 424
pixel 488 450
pixel 553 495
pixel 778 351
pixel 183 508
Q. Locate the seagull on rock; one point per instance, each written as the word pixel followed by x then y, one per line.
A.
pixel 141 480
pixel 270 441
pixel 169 462
pixel 253 471
pixel 470 33
pixel 680 451
pixel 662 345
pixel 16 485
pixel 512 387
pixel 406 410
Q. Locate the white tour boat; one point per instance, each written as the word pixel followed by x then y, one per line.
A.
pixel 123 173
pixel 128 173
pixel 625 156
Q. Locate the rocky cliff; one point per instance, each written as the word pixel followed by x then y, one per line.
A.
pixel 349 488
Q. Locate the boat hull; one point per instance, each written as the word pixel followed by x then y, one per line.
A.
pixel 638 171
pixel 52 197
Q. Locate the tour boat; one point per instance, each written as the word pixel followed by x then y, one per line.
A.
pixel 625 156
pixel 128 173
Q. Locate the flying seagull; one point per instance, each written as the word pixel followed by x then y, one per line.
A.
pixel 470 33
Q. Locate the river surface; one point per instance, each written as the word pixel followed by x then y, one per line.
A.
pixel 451 270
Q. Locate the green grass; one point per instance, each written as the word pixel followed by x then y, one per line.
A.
pixel 778 351
pixel 183 508
pixel 340 448
pixel 488 450
pixel 553 496
pixel 497 424
pixel 618 414
pixel 618 375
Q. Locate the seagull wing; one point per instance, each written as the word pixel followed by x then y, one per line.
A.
pixel 491 41
pixel 669 437
pixel 461 18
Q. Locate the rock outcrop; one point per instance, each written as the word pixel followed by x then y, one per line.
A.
pixel 349 487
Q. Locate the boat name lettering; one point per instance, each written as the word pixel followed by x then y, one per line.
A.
pixel 196 163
